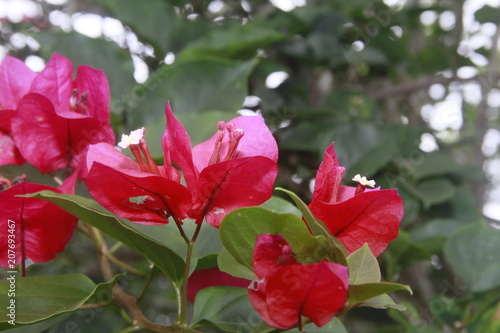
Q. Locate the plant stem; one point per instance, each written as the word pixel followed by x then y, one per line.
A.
pixel 115 247
pixel 184 288
pixel 135 328
pixel 146 286
pixel 124 265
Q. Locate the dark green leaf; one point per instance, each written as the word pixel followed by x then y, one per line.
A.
pixel 125 231
pixel 488 14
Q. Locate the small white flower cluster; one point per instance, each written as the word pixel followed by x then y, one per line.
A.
pixel 132 139
pixel 363 181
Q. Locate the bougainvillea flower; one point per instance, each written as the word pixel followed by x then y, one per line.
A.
pixel 41 229
pixel 287 290
pixel 235 168
pixel 66 115
pixel 15 80
pixel 210 277
pixel 355 215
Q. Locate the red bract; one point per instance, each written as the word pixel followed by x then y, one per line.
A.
pixel 41 229
pixel 15 80
pixel 353 215
pixel 65 114
pixel 235 168
pixel 232 173
pixel 287 290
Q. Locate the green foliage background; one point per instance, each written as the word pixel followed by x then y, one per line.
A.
pixel 359 73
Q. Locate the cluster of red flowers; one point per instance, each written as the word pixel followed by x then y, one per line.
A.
pixel 56 122
pixel 287 290
pixel 47 119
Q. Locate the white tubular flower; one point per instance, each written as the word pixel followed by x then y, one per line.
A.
pixel 363 181
pixel 132 139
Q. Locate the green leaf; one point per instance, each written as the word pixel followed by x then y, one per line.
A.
pixel 228 264
pixel 280 205
pixel 44 297
pixel 488 14
pixel 228 308
pixel 240 228
pixel 383 302
pixel 402 252
pixel 154 21
pixel 358 293
pixel 473 251
pixel 193 86
pixel 435 191
pixel 334 326
pixel 363 266
pixel 94 52
pixel 125 231
pixel 336 250
pixel 435 164
pixel 364 148
pixel 232 42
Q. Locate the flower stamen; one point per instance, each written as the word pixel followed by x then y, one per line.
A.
pixel 234 139
pixel 139 149
pixel 74 102
pixel 362 183
pixel 218 142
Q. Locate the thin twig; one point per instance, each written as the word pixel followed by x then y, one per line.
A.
pixel 411 87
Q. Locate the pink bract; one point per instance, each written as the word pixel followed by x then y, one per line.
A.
pixel 15 80
pixel 65 115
